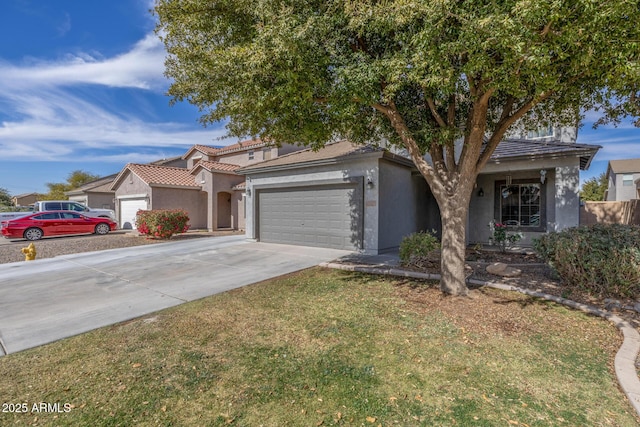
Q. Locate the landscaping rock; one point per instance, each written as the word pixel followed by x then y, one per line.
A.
pixel 611 304
pixel 502 269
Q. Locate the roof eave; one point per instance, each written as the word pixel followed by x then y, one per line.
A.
pixel 183 187
pixel 310 163
pixel 589 153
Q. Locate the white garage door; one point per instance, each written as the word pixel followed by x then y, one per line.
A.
pixel 327 216
pixel 128 210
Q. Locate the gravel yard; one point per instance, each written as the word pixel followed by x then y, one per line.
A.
pixel 55 246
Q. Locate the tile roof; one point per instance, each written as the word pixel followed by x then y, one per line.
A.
pixel 215 166
pixel 100 185
pixel 625 165
pixel 240 146
pixel 334 150
pixel 205 149
pixel 25 195
pixel 163 175
pixel 512 149
pixel 509 149
pixel 163 162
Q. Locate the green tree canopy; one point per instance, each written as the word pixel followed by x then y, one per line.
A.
pixel 5 197
pixel 594 188
pixel 75 179
pixel 420 74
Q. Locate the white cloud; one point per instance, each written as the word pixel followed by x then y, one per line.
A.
pixel 142 67
pixel 51 110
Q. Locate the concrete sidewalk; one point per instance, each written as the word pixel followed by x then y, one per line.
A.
pixel 46 300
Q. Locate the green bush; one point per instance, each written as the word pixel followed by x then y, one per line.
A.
pixel 162 223
pixel 601 259
pixel 418 246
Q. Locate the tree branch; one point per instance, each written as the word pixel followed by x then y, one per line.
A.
pixel 504 123
pixel 434 113
pixel 398 124
pixel 545 30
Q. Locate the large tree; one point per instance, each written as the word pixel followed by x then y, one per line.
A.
pixel 75 179
pixel 421 74
pixel 594 188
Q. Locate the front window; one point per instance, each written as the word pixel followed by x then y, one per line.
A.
pixel 251 155
pixel 627 180
pixel 541 133
pixel 520 205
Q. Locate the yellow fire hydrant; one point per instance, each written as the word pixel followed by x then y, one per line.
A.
pixel 29 252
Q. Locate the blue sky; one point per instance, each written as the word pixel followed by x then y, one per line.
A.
pixel 82 87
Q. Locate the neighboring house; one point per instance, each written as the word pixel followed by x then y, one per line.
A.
pixel 144 186
pixel 623 176
pixel 95 194
pixel 365 198
pixel 218 202
pixel 99 194
pixel 24 199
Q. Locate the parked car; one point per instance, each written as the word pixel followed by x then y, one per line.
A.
pixel 55 223
pixel 67 205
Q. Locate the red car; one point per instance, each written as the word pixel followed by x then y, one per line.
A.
pixel 54 223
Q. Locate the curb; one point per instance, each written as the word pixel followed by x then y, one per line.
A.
pixel 624 362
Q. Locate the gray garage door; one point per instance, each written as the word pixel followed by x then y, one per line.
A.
pixel 327 216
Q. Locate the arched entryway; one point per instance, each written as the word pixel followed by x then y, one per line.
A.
pixel 224 210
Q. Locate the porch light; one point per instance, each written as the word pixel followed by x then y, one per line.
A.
pixel 369 183
pixel 543 175
pixel 248 192
pixel 508 180
pixel 481 192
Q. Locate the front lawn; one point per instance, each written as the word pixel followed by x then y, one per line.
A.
pixel 325 347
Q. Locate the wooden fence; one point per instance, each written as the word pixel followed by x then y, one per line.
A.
pixel 610 212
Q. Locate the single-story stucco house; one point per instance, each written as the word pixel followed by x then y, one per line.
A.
pixel 367 199
pixel 145 186
pixel 25 199
pixel 95 194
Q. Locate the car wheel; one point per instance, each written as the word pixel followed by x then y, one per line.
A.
pixel 33 234
pixel 102 228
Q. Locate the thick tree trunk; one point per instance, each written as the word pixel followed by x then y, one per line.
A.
pixel 454 217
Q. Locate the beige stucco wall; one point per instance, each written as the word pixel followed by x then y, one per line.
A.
pixel 131 184
pixel 193 201
pixel 195 157
pixel 215 183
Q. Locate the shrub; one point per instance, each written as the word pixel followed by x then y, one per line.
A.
pixel 418 247
pixel 601 259
pixel 501 238
pixel 162 223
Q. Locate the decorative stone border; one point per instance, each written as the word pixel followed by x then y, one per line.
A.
pixel 626 356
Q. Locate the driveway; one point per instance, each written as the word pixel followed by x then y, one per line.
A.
pixel 46 300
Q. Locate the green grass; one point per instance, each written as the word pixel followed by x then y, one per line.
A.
pixel 330 348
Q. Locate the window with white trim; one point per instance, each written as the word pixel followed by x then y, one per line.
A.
pixel 627 180
pixel 251 154
pixel 541 133
pixel 520 205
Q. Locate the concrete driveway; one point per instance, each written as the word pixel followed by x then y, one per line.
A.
pixel 46 300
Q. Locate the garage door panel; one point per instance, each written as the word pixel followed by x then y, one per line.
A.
pixel 128 211
pixel 328 216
